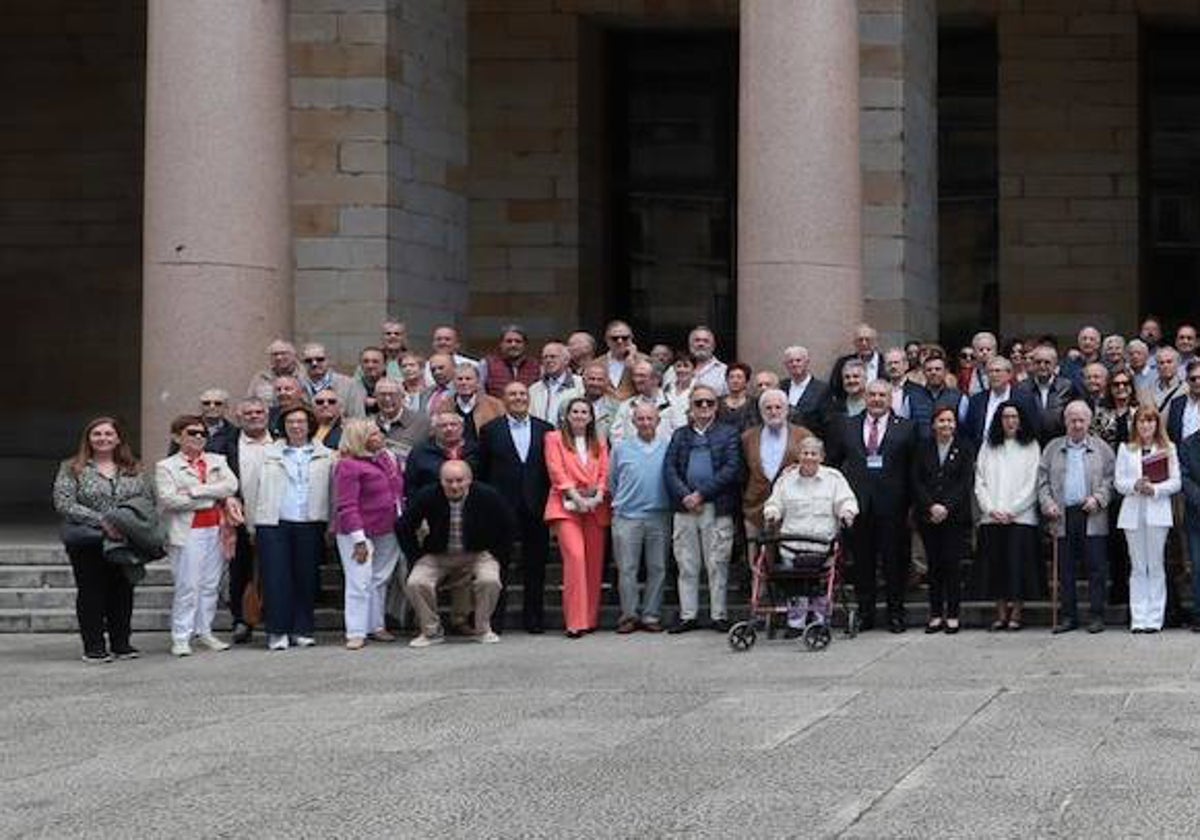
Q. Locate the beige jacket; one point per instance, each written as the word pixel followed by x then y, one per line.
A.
pixel 174 479
pixel 810 506
pixel 272 482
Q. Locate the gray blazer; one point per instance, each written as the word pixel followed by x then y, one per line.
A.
pixel 1099 463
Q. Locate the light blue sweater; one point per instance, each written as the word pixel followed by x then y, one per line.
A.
pixel 635 475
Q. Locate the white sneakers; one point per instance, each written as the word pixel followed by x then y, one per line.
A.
pixel 277 642
pixel 180 648
pixel 423 641
pixel 303 641
pixel 488 638
pixel 212 642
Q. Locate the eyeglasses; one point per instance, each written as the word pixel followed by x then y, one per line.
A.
pixel 325 402
pixel 196 433
pixel 704 402
pixel 314 360
pixel 212 402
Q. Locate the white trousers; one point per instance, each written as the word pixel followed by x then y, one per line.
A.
pixel 196 567
pixel 367 583
pixel 702 537
pixel 1147 576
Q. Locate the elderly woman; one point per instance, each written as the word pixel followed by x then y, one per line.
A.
pixel 369 490
pixel 1006 473
pixel 810 499
pixel 943 477
pixel 1147 475
pixel 289 522
pixel 101 475
pixel 192 487
pixel 1112 352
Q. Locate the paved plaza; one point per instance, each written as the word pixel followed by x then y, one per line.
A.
pixel 649 736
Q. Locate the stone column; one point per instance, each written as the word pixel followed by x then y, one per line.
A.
pixel 216 239
pixel 799 183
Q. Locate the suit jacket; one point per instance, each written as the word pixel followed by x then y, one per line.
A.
pixel 567 472
pixel 485 410
pixel 524 485
pixel 809 411
pixel 835 375
pixel 1175 418
pixel 1189 473
pixel 880 492
pixel 758 486
pixel 973 425
pixel 486 521
pixel 624 389
pixel 950 483
pixel 539 397
pixel 1049 419
pixel 349 390
pixel 425 463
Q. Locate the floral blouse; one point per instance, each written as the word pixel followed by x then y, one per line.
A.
pixel 86 498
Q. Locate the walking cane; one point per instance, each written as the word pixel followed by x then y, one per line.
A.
pixel 1053 580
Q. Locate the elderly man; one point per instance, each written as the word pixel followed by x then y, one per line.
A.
pixel 283 362
pixel 767 451
pixel 1095 385
pixel 895 371
pixel 923 400
pixel 622 352
pixel 371 368
pixel 806 394
pixel 1089 344
pixel 513 461
pixel 581 346
pixel 441 370
pixel 446 342
pixel 1189 469
pixel 289 394
pixel 1049 391
pixel 641 520
pixel 319 376
pixel 984 345
pixel 476 409
pixel 510 362
pixel 222 434
pixel 468 536
pixel 703 471
pixel 1075 484
pixel 402 427
pixel 245 458
pixel 328 409
pixel 447 444
pixel 1112 352
pixel 1185 343
pixel 646 390
pixel 557 385
pixel 874 451
pixel 393 343
pixel 866 352
pixel 981 407
pixel 1167 384
pixel 1139 364
pixel 707 368
pixel 764 380
pixel 851 401
pixel 1183 414
pixel 596 392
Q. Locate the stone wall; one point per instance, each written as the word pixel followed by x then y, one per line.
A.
pixel 378 155
pixel 72 83
pixel 1069 169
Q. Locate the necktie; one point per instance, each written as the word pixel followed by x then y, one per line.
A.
pixel 873 437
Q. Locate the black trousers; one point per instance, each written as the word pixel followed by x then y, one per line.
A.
pixel 875 544
pixel 945 548
pixel 534 538
pixel 241 572
pixel 103 601
pixel 1077 550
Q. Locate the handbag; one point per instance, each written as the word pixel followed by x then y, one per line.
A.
pixel 78 535
pixel 252 601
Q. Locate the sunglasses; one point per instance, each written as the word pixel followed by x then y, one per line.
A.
pixel 1194 379
pixel 620 337
pixel 196 433
pixel 325 402
pixel 314 360
pixel 212 402
pixel 704 402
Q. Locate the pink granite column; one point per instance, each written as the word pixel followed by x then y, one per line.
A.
pixel 799 183
pixel 216 239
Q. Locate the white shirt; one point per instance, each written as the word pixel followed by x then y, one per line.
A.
pixel 994 402
pixel 521 430
pixel 883 425
pixel 554 390
pixel 1191 416
pixel 616 370
pixel 796 390
pixel 581 448
pixel 772 445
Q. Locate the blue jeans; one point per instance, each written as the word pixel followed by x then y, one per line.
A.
pixel 633 539
pixel 289 554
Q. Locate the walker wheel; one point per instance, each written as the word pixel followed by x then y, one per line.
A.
pixel 742 636
pixel 853 623
pixel 817 636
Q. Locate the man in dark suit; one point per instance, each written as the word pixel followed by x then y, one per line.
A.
pixel 874 451
pixel 981 407
pixel 1189 469
pixel 806 395
pixel 1183 412
pixel 866 350
pixel 469 537
pixel 1049 391
pixel 511 459
pixel 447 444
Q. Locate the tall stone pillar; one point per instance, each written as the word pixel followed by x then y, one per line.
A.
pixel 799 183
pixel 216 239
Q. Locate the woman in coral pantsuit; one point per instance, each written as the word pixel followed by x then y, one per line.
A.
pixel 578 512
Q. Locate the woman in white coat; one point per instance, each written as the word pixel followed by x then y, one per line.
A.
pixel 1147 475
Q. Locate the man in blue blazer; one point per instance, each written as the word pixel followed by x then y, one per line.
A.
pixel 981 407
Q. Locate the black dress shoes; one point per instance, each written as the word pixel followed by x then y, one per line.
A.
pixel 686 625
pixel 721 625
pixel 1065 627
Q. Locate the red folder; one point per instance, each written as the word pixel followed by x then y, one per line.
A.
pixel 1154 467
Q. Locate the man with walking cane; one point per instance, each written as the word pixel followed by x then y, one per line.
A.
pixel 1075 482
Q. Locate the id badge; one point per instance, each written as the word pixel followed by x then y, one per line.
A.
pixel 875 462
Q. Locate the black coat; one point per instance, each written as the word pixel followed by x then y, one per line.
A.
pixel 972 427
pixel 524 486
pixel 725 488
pixel 880 492
pixel 425 463
pixel 487 523
pixel 809 411
pixel 1189 471
pixel 950 484
pixel 1049 420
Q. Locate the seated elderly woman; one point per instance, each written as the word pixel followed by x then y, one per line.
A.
pixel 809 499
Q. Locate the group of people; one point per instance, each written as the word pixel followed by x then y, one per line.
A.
pixel 443 474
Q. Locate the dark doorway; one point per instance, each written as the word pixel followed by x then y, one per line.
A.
pixel 673 122
pixel 1171 257
pixel 968 186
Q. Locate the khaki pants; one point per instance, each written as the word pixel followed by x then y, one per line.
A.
pixel 702 538
pixel 480 571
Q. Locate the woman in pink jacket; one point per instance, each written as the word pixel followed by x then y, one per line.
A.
pixel 578 512
pixel 369 490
